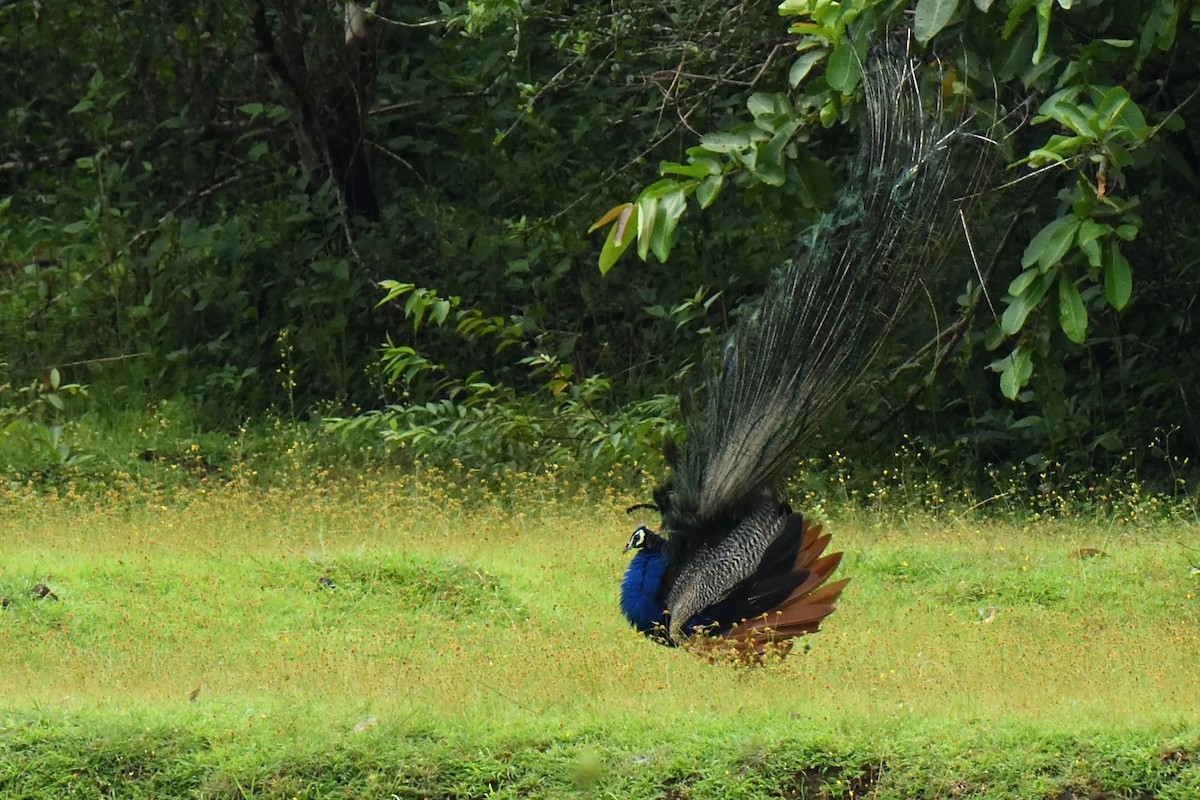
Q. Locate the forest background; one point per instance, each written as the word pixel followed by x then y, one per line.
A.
pixel 202 208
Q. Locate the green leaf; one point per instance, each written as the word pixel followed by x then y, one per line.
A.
pixel 1022 305
pixel 1043 22
pixel 1088 239
pixel 1118 155
pixel 769 165
pixel 1018 52
pixel 670 209
pixel 1021 282
pixel 1014 17
pixel 1128 231
pixel 1111 105
pixel 1072 314
pixel 1090 230
pixel 1118 280
pixel 1015 372
pixel 707 191
pixel 804 64
pixel 696 171
pixel 724 142
pixel 440 309
pixel 660 188
pixel 1063 107
pixel 764 104
pixel 620 236
pixel 1091 251
pixel 842 72
pixel 1051 243
pixel 931 16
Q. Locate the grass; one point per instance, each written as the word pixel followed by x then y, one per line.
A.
pixel 390 634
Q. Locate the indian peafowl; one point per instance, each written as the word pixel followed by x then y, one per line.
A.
pixel 733 563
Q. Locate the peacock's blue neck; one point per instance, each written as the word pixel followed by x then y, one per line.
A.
pixel 639 590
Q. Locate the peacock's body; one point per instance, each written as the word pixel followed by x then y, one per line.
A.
pixel 733 561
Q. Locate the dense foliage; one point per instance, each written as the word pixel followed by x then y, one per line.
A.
pixel 202 202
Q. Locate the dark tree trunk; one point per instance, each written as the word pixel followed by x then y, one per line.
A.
pixel 328 86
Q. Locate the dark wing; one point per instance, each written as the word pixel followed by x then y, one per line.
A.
pixel 799 611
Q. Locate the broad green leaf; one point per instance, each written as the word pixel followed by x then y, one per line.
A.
pixel 769 166
pixel 1021 282
pixel 707 191
pixel 1117 154
pixel 1018 52
pixel 1015 372
pixel 1111 105
pixel 1022 305
pixel 688 170
pixel 931 16
pixel 1063 107
pixel 1090 230
pixel 1091 251
pixel 1014 17
pixel 440 309
pixel 724 142
pixel 1118 280
pixel 1043 21
pixel 670 209
pixel 1088 239
pixel 1034 74
pixel 1072 314
pixel 660 188
pixel 1051 243
pixel 842 72
pixel 620 236
pixel 764 104
pixel 804 64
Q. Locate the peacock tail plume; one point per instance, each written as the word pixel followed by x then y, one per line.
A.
pixel 731 550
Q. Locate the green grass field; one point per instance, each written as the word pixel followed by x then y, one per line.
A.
pixel 382 636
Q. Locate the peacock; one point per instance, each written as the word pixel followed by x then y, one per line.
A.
pixel 732 563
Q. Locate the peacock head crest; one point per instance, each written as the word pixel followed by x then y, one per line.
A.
pixel 644 539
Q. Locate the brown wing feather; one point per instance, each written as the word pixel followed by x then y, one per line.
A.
pixel 800 613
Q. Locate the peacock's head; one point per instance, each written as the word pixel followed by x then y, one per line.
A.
pixel 644 539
